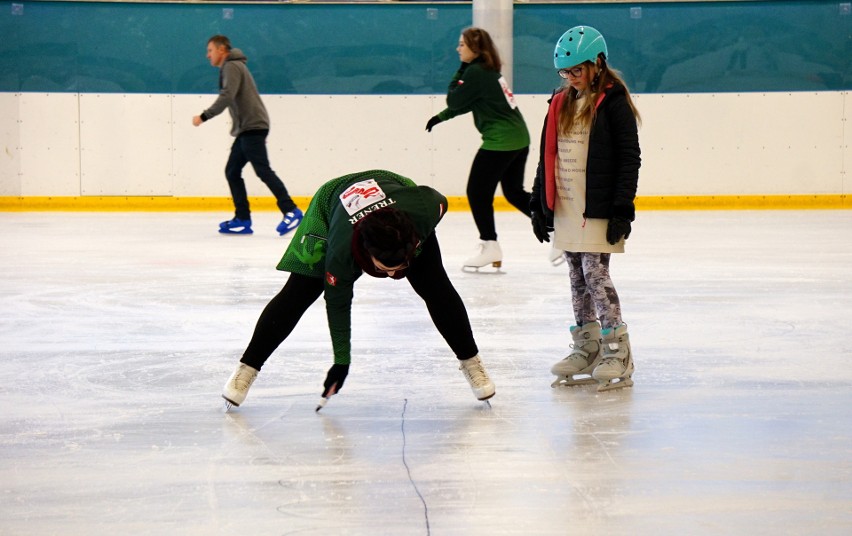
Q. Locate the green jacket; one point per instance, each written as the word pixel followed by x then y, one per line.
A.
pixel 322 245
pixel 495 113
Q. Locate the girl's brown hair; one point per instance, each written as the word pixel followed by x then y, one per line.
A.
pixel 479 42
pixel 586 114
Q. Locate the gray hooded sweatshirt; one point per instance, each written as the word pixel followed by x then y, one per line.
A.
pixel 238 93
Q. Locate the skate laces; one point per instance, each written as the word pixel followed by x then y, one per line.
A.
pixel 615 357
pixel 474 372
pixel 577 350
pixel 243 380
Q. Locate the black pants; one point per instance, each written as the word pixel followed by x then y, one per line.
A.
pixel 489 169
pixel 250 146
pixel 426 276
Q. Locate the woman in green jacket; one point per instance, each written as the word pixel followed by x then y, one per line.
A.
pixel 478 87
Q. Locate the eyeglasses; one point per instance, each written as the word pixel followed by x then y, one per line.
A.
pixel 576 72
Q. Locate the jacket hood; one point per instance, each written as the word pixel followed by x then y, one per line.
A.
pixel 237 55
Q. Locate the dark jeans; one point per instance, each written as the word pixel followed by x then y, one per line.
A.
pixel 250 146
pixel 426 276
pixel 489 169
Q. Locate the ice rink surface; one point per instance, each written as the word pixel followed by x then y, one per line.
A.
pixel 118 330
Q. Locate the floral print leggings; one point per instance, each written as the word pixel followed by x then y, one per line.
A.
pixel 593 295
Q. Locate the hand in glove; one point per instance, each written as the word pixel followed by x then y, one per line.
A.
pixel 334 379
pixel 434 120
pixel 333 382
pixel 616 228
pixel 540 228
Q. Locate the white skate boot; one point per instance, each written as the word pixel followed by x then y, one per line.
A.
pixel 489 253
pixel 237 386
pixel 474 373
pixel 616 368
pixel 556 256
pixel 576 369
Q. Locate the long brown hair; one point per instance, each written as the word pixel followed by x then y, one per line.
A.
pixel 586 116
pixel 479 42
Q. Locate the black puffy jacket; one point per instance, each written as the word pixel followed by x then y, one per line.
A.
pixel 612 170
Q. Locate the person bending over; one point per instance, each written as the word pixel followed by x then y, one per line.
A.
pixel 374 222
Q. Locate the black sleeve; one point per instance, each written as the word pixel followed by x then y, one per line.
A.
pixel 625 140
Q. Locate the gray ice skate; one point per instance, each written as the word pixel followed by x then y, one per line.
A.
pixel 576 369
pixel 616 367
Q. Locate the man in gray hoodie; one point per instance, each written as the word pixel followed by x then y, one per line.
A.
pixel 238 93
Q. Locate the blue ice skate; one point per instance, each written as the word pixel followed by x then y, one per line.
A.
pixel 235 226
pixel 291 220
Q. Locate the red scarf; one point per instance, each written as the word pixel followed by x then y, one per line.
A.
pixel 551 145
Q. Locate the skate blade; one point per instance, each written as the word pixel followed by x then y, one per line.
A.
pixel 483 269
pixel 616 383
pixel 570 382
pixel 229 404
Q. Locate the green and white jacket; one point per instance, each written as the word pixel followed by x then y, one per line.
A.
pixel 496 116
pixel 323 244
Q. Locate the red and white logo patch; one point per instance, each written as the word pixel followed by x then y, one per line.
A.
pixel 361 195
pixel 331 279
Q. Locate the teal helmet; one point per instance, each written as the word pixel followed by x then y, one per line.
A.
pixel 577 45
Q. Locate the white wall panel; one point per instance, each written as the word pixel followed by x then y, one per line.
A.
pixel 49 144
pixel 320 137
pixel 748 144
pixel 200 152
pixel 10 158
pixel 534 109
pixel 126 144
pixel 453 145
pixel 692 144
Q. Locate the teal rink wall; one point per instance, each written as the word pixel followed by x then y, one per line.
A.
pixel 408 48
pixel 738 99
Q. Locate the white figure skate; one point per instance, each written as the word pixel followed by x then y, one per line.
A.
pixel 616 368
pixel 237 386
pixel 556 256
pixel 576 369
pixel 475 374
pixel 489 253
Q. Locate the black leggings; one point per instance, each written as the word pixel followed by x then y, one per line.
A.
pixel 489 169
pixel 426 276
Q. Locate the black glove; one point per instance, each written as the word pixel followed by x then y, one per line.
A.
pixel 616 228
pixel 434 120
pixel 334 379
pixel 540 229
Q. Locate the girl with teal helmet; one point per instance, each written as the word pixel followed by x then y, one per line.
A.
pixel 584 193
